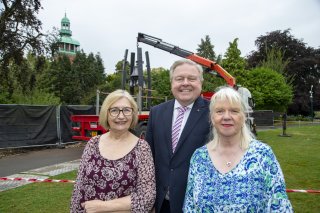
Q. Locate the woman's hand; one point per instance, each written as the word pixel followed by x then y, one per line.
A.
pixel 94 206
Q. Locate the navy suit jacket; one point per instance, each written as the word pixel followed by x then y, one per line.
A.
pixel 172 168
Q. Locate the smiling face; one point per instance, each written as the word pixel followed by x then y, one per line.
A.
pixel 227 119
pixel 121 122
pixel 186 84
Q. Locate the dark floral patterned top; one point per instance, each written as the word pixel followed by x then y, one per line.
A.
pixel 103 179
pixel 256 184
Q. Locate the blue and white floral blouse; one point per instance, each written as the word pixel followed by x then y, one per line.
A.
pixel 256 184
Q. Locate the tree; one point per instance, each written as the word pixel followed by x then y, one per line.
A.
pixel 61 81
pixel 303 66
pixel 275 60
pixel 234 63
pixel 74 82
pixel 161 86
pixel 113 82
pixel 20 31
pixel 269 89
pixel 37 97
pixel 89 70
pixel 52 42
pixel 17 80
pixel 205 50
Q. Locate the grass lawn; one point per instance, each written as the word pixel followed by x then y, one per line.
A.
pixel 39 197
pixel 298 155
pixel 300 162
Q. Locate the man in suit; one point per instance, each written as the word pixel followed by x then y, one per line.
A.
pixel 174 135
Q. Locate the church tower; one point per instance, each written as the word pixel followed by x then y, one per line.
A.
pixel 67 45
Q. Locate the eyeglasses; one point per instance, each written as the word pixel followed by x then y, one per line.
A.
pixel 115 111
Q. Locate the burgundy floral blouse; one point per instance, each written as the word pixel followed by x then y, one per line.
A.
pixel 99 178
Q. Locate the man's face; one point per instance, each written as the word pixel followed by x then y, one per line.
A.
pixel 186 85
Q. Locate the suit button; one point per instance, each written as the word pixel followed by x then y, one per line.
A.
pixel 171 170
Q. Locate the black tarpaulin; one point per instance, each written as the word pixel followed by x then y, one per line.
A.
pixel 22 125
pixel 26 125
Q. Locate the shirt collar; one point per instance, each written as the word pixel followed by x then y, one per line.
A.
pixel 177 105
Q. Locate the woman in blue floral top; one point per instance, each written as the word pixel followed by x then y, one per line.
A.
pixel 234 172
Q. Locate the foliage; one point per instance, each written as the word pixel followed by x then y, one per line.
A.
pixel 119 70
pixel 89 71
pixel 297 118
pixel 52 42
pixel 20 31
pixel 275 61
pixel 19 77
pixel 232 58
pixel 4 97
pixel 304 63
pixel 59 80
pixel 74 82
pixel 234 63
pixel 36 97
pixel 269 89
pixel 161 85
pixel 212 82
pixel 284 41
pixel 307 73
pixel 23 78
pixel 119 66
pixel 113 82
pixel 205 49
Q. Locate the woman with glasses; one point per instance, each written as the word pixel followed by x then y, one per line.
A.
pixel 116 172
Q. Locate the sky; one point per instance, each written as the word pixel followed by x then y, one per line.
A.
pixel 109 27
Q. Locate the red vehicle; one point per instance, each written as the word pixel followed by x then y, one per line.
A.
pixel 88 125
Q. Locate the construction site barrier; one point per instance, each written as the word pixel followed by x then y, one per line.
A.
pixel 72 181
pixel 36 180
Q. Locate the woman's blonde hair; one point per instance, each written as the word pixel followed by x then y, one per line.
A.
pixel 233 97
pixel 110 100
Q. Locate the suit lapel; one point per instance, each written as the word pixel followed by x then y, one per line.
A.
pixel 167 114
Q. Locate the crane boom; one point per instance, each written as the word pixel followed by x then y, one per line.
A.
pixel 210 65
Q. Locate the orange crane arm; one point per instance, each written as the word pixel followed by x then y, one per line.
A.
pixel 210 65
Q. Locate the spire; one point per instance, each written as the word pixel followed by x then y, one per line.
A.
pixel 65 26
pixel 67 45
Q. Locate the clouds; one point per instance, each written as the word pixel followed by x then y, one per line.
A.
pixel 111 26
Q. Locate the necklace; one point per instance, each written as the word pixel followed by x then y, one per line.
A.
pixel 228 163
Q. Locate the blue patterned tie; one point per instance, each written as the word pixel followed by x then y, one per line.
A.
pixel 177 127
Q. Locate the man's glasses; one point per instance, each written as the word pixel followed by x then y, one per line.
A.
pixel 115 111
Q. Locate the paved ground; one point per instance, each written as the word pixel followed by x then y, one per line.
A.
pixel 35 159
pixel 38 164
